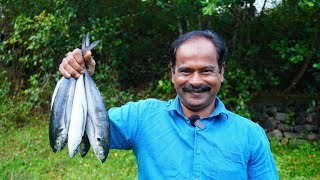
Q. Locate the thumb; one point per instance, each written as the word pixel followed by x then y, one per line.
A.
pixel 87 57
pixel 89 62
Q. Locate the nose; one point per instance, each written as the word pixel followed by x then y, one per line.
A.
pixel 196 79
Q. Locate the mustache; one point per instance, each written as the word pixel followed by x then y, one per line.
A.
pixel 198 89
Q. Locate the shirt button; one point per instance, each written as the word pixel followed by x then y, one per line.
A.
pixel 198 151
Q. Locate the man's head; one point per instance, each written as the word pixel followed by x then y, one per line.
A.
pixel 197 66
pixel 218 42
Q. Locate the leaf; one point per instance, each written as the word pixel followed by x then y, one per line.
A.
pixel 296 59
pixel 316 66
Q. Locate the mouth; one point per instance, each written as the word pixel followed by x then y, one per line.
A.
pixel 196 93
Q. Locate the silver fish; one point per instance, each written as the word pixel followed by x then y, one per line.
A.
pixel 84 145
pixel 97 126
pixel 59 119
pixel 78 117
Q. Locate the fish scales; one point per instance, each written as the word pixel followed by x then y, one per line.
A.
pixel 78 117
pixel 58 123
pixel 97 126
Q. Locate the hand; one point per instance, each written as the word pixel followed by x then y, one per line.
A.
pixel 73 65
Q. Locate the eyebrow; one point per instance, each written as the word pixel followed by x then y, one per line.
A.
pixel 183 68
pixel 209 67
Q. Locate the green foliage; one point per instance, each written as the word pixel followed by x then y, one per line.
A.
pixel 266 49
pixel 314 106
pixel 292 159
pixel 13 111
pixel 290 119
pixel 162 89
pixel 292 51
pixel 29 45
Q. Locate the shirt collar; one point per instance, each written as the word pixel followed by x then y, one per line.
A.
pixel 176 106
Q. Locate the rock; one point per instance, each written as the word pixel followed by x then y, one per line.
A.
pixel 306 127
pixel 284 141
pixel 285 127
pixel 275 134
pixel 313 137
pixel 291 135
pixel 300 119
pixel 313 118
pixel 280 116
pixel 268 124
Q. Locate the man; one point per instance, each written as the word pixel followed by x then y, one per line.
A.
pixel 192 136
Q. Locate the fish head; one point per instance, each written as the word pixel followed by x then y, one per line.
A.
pixel 100 153
pixel 60 143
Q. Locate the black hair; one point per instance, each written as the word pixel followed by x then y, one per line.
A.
pixel 213 37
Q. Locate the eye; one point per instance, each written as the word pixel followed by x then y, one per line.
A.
pixel 207 71
pixel 185 71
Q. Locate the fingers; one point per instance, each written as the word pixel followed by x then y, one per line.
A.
pixel 73 65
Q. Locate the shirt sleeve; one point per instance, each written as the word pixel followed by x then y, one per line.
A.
pixel 261 164
pixel 124 122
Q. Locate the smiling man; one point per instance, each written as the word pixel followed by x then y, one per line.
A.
pixel 192 136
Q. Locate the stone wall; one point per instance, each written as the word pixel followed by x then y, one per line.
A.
pixel 288 120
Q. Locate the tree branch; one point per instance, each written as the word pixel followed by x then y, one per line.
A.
pixel 304 67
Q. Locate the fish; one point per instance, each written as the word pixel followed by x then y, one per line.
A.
pixel 84 145
pixel 59 122
pixel 97 125
pixel 55 91
pixel 78 118
pixel 78 115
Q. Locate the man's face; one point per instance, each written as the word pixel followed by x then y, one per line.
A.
pixel 196 76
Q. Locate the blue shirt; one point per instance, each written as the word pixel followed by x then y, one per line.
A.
pixel 168 147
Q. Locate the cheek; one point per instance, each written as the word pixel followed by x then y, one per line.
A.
pixel 178 80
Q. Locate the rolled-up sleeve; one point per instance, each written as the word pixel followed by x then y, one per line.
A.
pixel 124 122
pixel 261 164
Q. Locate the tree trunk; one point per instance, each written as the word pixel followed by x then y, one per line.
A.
pixel 304 67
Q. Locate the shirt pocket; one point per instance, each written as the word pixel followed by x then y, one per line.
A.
pixel 226 164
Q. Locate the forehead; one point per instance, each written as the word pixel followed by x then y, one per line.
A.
pixel 196 50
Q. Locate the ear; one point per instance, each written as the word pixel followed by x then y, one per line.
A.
pixel 222 73
pixel 172 75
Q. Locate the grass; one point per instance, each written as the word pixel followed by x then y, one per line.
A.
pixel 25 154
pixel 297 161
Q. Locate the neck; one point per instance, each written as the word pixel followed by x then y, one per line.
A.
pixel 202 113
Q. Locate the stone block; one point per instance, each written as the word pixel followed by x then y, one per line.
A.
pixel 291 135
pixel 300 119
pixel 285 127
pixel 282 107
pixel 306 127
pixel 269 110
pixel 280 116
pixel 275 134
pixel 313 118
pixel 269 124
pixel 313 137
